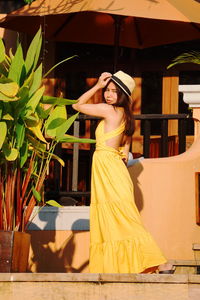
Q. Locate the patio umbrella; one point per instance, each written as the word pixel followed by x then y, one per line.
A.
pixel 136 24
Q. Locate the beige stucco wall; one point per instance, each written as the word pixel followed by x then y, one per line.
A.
pixel 165 194
pixel 59 251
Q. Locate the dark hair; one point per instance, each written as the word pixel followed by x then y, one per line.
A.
pixel 123 100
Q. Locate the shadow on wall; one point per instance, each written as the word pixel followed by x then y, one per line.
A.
pixel 53 254
pixel 138 197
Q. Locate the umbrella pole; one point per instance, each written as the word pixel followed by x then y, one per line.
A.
pixel 117 29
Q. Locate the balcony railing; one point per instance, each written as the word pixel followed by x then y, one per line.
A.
pixel 164 119
pixel 57 191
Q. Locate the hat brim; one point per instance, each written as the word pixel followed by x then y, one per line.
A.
pixel 121 85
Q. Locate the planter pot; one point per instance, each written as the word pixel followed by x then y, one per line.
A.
pixel 191 94
pixel 14 251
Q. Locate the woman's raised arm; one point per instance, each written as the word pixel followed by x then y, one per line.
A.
pixel 100 109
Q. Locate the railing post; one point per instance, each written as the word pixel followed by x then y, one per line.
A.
pixel 147 133
pixel 164 138
pixel 182 135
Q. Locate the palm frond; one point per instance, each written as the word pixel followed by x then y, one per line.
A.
pixel 187 57
pixel 28 1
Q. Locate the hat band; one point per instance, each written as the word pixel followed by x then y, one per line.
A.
pixel 117 80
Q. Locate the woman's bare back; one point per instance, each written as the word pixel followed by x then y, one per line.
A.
pixel 113 121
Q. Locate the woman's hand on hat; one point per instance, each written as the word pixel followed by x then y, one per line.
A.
pixel 103 79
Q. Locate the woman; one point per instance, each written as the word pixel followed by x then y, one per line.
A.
pixel 118 241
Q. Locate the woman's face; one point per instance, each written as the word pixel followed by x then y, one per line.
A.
pixel 110 94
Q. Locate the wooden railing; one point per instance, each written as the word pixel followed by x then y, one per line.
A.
pixel 146 119
pixel 182 127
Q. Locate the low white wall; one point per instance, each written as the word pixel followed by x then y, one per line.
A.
pixel 62 218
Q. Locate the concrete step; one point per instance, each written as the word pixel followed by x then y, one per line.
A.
pixel 186 266
pixel 83 286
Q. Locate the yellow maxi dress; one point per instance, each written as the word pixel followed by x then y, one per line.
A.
pixel 119 243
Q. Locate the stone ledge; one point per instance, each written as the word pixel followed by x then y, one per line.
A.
pixel 100 278
pixel 185 263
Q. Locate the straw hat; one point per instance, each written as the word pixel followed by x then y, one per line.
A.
pixel 124 81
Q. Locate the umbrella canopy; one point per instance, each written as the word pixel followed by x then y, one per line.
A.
pixel 136 24
pixel 144 23
pixel 176 10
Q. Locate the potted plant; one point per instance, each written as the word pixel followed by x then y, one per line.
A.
pixel 29 133
pixel 190 91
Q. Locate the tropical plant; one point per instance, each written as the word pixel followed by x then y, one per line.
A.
pixel 29 133
pixel 28 1
pixel 187 57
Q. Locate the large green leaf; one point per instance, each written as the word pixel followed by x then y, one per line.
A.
pixel 33 50
pixel 20 133
pixel 72 139
pixel 23 99
pixel 3 130
pixel 57 101
pixel 9 89
pixel 58 159
pixel 43 113
pixel 4 79
pixel 7 117
pixel 25 112
pixel 36 144
pixel 37 80
pixel 37 132
pixel 31 120
pixel 65 126
pixel 23 153
pixel 1 110
pixel 2 51
pixel 7 99
pixel 37 54
pixel 53 203
pixel 10 154
pixel 17 68
pixel 28 81
pixel 35 99
pixel 36 194
pixel 56 119
pixel 7 108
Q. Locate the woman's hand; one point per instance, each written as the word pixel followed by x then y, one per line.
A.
pixel 101 110
pixel 103 79
pixel 125 160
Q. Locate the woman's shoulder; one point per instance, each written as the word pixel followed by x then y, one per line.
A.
pixel 109 110
pixel 115 118
pixel 105 106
